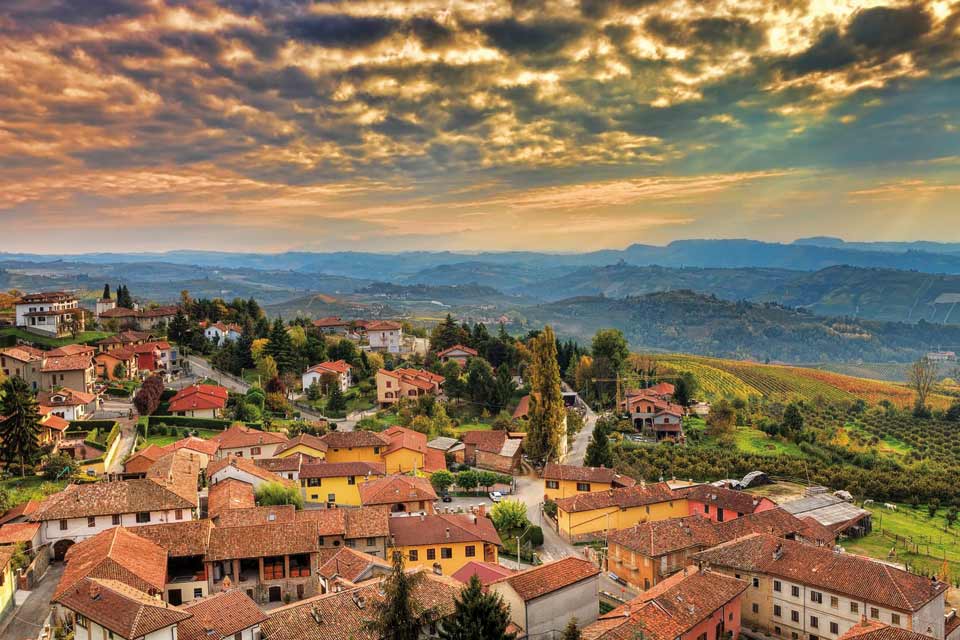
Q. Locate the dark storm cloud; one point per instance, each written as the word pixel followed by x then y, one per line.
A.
pixel 79 12
pixel 341 30
pixel 888 27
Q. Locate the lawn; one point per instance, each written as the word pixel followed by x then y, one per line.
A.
pixel 164 440
pixel 52 343
pixel 30 488
pixel 888 444
pixel 755 441
pixel 473 426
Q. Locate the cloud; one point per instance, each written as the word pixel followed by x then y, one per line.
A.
pixel 532 37
pixel 341 30
pixel 889 27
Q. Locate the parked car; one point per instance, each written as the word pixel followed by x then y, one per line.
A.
pixel 496 496
pixel 446 497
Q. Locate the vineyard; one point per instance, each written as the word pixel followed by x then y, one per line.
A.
pixel 714 382
pixel 931 439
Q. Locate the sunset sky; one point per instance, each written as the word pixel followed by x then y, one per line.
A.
pixel 563 125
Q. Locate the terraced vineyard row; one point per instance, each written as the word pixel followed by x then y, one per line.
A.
pixel 714 383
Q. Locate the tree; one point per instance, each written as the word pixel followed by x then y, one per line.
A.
pixel 442 481
pixel 933 507
pixel 503 387
pixel 148 397
pixel 479 381
pixel 398 615
pixel 611 345
pixel 951 516
pixel 453 384
pixel 57 467
pixel 120 371
pixel 685 389
pixel 509 516
pixel 447 334
pixel 572 631
pixel 123 297
pixel 336 401
pixel 721 420
pixel 267 369
pixel 792 420
pixel 598 450
pixel 545 431
pixel 106 291
pixel 280 347
pixel 477 615
pixel 922 375
pixel 468 479
pixel 179 328
pixel 20 430
pixel 278 493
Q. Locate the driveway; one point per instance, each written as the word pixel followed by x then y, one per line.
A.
pixel 578 451
pixel 27 621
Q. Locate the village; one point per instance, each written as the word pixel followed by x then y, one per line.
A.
pixel 212 477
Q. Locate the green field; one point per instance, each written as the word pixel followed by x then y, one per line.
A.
pixel 29 488
pixel 52 343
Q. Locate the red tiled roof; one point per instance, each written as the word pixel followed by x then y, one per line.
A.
pixel 457 347
pixel 843 573
pixel 22 510
pixel 262 540
pixel 45 296
pixel 180 539
pixel 553 471
pixel 151 453
pixel 420 378
pixel 490 441
pixel 350 565
pixel 72 350
pixel 488 572
pixel 723 498
pixel 348 439
pixel 71 398
pixel 56 423
pixel 440 528
pixel 329 322
pixel 108 498
pixel 116 554
pixel 434 460
pixel 246 465
pixel 394 489
pixel 656 538
pixel 403 438
pixel 257 515
pixel 329 522
pixel 305 439
pixel 337 366
pixel 122 609
pixel 635 496
pixel 23 353
pixel 193 443
pixel 341 469
pixel 229 494
pixel 367 522
pixel 200 396
pixel 523 407
pixel 280 465
pixel 539 581
pixel 67 363
pixel 383 325
pixel 122 354
pixel 876 630
pixel 219 616
pixel 18 532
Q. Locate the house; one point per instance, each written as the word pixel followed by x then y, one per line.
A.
pixel 351 566
pixel 229 493
pixel 406 383
pixel 203 450
pixel 486 572
pixel 25 533
pixel 54 314
pixel 873 630
pixel 652 412
pixel 154 356
pixel 228 615
pixel 52 429
pixel 123 340
pixel 691 605
pixel 8 583
pixel 542 599
pixel 247 442
pixel 364 529
pixel 242 469
pixel 408 452
pixel 457 353
pixel 564 480
pixel 337 483
pixel 186 545
pixel 493 450
pixel 270 562
pixel 305 444
pixel 219 332
pixel 355 446
pixel 344 614
pixel 331 325
pixel 586 515
pixel 444 542
pixel 385 335
pixel 103 608
pixel 720 504
pixel 200 401
pixel 72 371
pixel 135 319
pixel 799 590
pixel 23 362
pixel 117 364
pixel 19 513
pixel 140 462
pixel 401 494
pixel 339 370
pixel 66 403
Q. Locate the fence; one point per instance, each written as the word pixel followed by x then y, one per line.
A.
pixel 916 546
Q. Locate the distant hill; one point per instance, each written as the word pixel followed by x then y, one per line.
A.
pixel 689 322
pixel 470 291
pixel 322 305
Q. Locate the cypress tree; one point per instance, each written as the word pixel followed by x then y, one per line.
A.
pixel 545 431
pixel 106 291
pixel 20 430
pixel 477 616
pixel 572 632
pixel 598 451
pixel 397 616
pixel 280 346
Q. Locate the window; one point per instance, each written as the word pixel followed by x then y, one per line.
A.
pixel 254 451
pixel 331 497
pixel 376 450
pixel 313 482
pixel 834 628
pixel 82 622
pixel 795 591
pixel 583 486
pixel 116 519
pixel 238 635
pixel 834 602
pixel 321 541
pixel 816 596
pixel 198 593
pixel 351 543
pixel 795 616
pixel 874 612
pixel 854 607
pixel 895 618
pixel 143 516
pixel 794 635
pixel 471 551
pixel 777 586
pixel 414 555
pixel 431 554
pixel 706 509
pixel 778 631
pixel 755 607
pixel 371 542
pixel 777 611
pixel 814 637
pixel 91 521
pixel 756 583
pixel 352 480
pixel 814 622
pixel 446 553
pixel 178 514
pixel 63 525
pixel 553 484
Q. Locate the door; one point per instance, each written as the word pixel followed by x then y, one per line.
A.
pixel 274 594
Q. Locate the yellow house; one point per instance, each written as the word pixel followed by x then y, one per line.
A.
pixel 588 515
pixel 443 543
pixel 564 481
pixel 355 446
pixel 308 445
pixel 337 483
pixel 7 586
pixel 408 452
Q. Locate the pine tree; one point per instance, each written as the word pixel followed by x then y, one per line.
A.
pixel 545 430
pixel 572 632
pixel 477 616
pixel 598 451
pixel 503 387
pixel 179 328
pixel 280 346
pixel 20 430
pixel 397 616
pixel 106 291
pixel 336 402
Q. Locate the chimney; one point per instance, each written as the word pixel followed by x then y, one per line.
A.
pixel 447 532
pixel 778 551
pixel 482 511
pixel 423 517
pixel 94 591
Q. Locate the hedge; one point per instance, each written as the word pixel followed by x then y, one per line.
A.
pixel 93 440
pixel 90 425
pixel 199 423
pixel 114 434
pixel 118 392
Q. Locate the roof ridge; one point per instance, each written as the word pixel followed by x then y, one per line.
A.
pixel 896 584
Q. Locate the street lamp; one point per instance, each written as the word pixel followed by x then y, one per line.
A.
pixel 526 531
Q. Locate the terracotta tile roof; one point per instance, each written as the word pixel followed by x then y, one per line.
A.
pixel 420 378
pixel 329 322
pixel 555 471
pixel 64 397
pixel 491 441
pixel 121 609
pixel 442 528
pixel 246 465
pixel 329 522
pixel 815 532
pixel 350 565
pixel 257 515
pixel 126 337
pixel 657 538
pixel 348 439
pixel 180 539
pixel 229 494
pixel 341 469
pixel 457 347
pixel 368 522
pixel 841 573
pixel 669 609
pixel 875 630
pixel 54 422
pixel 151 453
pixel 335 367
pixel 434 460
pixel 776 522
pixel 72 350
pixel 305 439
pixel 403 438
pixel 635 496
pixel 179 472
pixel 200 396
pixel 723 498
pixel 539 581
pixel 383 325
pixel 116 554
pixel 219 616
pixel 393 489
pixel 22 510
pixel 150 347
pixel 122 353
pixel 108 498
pixel 278 465
pixel 23 353
pixel 193 443
pixel 18 532
pixel 523 407
pixel 340 616
pixel 262 540
pixel 488 572
pixel 67 363
pixel 119 312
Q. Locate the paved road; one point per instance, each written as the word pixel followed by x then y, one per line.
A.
pixel 29 618
pixel 128 438
pixel 578 451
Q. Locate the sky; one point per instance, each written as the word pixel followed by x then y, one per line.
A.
pixel 567 125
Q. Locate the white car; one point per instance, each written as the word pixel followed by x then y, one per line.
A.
pixel 496 496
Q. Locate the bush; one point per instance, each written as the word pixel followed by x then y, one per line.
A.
pixel 278 493
pixel 535 536
pixel 195 423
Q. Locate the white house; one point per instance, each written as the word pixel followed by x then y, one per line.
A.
pixel 100 609
pixel 385 335
pixel 221 332
pixel 339 368
pixel 199 401
pixel 67 403
pixel 241 469
pixel 246 442
pixel 53 313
